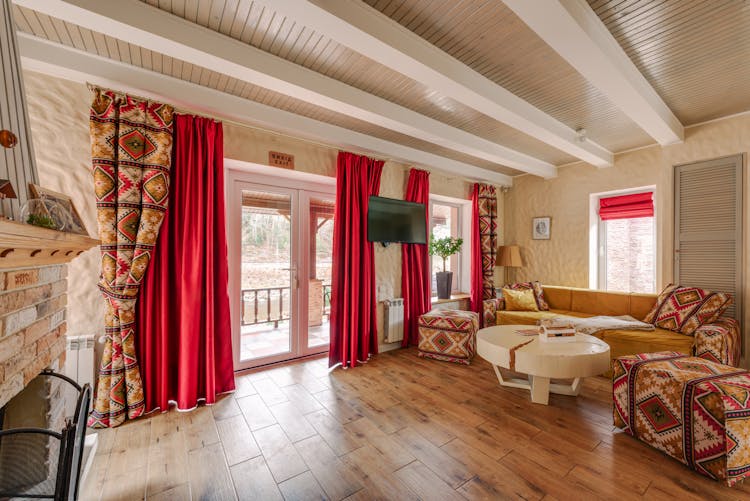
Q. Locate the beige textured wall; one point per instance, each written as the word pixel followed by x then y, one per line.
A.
pixel 252 145
pixel 564 259
pixel 58 111
pixel 59 119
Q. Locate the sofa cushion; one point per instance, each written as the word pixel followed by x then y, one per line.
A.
pixel 621 342
pixel 505 317
pixel 684 309
pixel 641 305
pixel 600 302
pixel 558 298
pixel 520 300
pixel 538 292
pixel 624 342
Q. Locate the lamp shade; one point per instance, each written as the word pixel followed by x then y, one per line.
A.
pixel 509 255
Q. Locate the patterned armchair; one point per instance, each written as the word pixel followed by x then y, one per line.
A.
pixel 719 341
pixel 489 308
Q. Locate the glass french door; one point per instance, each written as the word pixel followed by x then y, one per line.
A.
pixel 280 253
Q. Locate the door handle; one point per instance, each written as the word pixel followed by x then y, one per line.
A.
pixel 295 277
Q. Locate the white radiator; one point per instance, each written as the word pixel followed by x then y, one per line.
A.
pixel 79 359
pixel 393 321
pixel 79 365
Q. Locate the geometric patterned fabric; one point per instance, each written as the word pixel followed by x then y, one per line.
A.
pixel 490 307
pixel 692 409
pixel 448 335
pixel 720 341
pixel 487 220
pixel 131 150
pixel 684 309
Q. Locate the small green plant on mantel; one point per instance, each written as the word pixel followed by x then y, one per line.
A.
pixel 41 220
pixel 444 247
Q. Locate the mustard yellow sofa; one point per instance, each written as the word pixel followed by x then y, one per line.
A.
pixel 719 341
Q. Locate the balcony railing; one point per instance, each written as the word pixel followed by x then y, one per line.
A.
pixel 272 304
pixel 327 300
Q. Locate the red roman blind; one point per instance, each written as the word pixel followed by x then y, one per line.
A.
pixel 627 206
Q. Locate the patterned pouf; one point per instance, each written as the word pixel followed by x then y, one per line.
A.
pixel 692 409
pixel 448 335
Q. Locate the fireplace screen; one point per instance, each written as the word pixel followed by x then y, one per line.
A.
pixel 38 462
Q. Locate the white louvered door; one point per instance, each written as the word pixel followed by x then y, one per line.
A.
pixel 708 227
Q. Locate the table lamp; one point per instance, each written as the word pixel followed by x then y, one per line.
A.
pixel 508 256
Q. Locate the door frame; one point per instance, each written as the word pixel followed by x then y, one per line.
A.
pixel 301 187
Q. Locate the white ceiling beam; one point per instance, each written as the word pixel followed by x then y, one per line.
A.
pixel 72 64
pixel 358 26
pixel 141 24
pixel 575 32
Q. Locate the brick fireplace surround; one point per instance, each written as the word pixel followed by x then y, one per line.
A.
pixel 33 298
pixel 32 325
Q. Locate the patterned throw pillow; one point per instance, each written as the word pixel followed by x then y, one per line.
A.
pixel 684 309
pixel 541 303
pixel 520 300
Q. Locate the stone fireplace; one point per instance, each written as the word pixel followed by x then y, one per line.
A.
pixel 29 463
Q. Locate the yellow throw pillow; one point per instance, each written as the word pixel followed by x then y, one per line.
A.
pixel 520 300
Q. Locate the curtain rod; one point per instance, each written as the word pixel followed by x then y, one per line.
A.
pixel 93 87
pixel 98 88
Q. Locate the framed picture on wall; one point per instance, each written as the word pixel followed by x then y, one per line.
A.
pixel 540 228
pixel 73 221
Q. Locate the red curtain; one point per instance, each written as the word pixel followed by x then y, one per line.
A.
pixel 185 346
pixel 627 206
pixel 416 285
pixel 353 308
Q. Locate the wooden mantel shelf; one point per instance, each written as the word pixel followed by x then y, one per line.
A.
pixel 28 245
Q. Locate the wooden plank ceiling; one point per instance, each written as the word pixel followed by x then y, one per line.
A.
pixel 695 53
pixel 692 52
pixel 490 39
pixel 81 38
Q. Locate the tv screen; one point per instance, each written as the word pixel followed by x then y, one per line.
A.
pixel 391 220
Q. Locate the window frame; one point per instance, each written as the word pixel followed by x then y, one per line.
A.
pixel 462 274
pixel 598 239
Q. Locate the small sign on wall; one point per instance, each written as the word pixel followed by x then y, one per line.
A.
pixel 278 159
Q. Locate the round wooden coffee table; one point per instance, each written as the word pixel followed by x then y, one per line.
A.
pixel 504 347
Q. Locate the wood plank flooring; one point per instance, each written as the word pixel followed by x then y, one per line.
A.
pixel 399 427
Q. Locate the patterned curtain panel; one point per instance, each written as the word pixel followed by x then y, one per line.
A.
pixel 131 148
pixel 484 242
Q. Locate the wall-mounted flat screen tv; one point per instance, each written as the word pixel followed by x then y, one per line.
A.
pixel 391 220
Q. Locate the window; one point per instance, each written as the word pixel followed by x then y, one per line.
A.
pixel 626 242
pixel 445 221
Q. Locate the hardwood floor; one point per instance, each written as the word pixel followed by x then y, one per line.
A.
pixel 399 427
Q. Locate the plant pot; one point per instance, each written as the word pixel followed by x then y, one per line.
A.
pixel 444 281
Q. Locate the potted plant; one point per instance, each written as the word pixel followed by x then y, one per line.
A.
pixel 445 248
